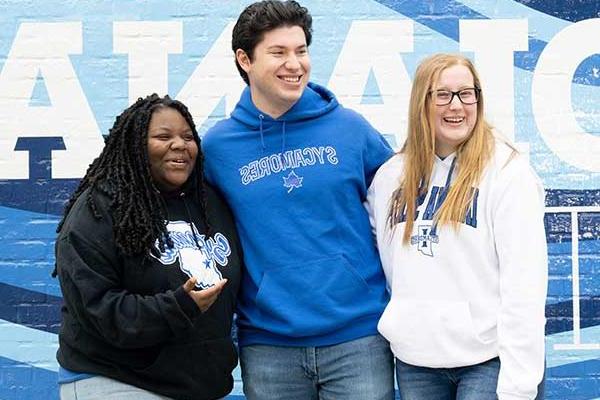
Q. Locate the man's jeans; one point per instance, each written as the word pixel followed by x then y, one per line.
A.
pixel 360 369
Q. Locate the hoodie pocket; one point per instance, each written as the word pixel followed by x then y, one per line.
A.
pixel 187 364
pixel 436 329
pixel 223 352
pixel 310 298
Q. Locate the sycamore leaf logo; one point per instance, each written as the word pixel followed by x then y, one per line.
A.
pixel 292 181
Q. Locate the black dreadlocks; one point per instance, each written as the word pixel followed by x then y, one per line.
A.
pixel 123 171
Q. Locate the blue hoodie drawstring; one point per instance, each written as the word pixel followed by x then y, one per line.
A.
pixel 282 143
pixel 444 193
pixel 262 136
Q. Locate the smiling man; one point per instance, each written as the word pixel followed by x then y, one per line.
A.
pixel 295 166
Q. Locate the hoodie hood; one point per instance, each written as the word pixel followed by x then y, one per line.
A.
pixel 314 102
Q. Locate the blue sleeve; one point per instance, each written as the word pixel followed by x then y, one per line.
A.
pixel 376 151
pixel 207 146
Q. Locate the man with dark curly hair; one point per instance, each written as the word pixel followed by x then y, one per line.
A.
pixel 295 166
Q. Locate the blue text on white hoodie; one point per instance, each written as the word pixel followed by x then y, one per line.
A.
pixel 296 185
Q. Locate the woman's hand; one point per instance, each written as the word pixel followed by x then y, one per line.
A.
pixel 206 297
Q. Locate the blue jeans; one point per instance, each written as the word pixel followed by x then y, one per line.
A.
pixel 360 369
pixel 466 383
pixel 474 382
pixel 103 388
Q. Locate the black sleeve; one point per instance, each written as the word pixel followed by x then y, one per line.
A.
pixel 89 272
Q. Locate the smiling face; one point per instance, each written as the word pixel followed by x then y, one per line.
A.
pixel 172 149
pixel 279 69
pixel 453 122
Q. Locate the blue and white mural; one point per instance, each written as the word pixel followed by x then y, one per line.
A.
pixel 67 68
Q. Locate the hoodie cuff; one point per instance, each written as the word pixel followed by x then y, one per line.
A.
pixel 187 305
pixel 512 396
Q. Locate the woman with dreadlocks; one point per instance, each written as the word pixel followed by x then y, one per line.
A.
pixel 149 266
pixel 458 214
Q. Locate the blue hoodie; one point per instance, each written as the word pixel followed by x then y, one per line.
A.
pixel 296 185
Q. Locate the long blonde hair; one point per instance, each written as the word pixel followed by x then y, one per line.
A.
pixel 419 151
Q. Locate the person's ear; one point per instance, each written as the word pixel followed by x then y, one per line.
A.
pixel 243 59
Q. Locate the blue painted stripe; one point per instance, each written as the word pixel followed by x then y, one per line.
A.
pixel 28 346
pixel 46 196
pixel 569 10
pixel 440 15
pixel 443 16
pixel 572 198
pixel 558 226
pixel 42 312
pixel 560 315
pixel 18 378
pixel 30 308
pixel 22 381
pixel 545 26
pixel 561 348
pixel 564 382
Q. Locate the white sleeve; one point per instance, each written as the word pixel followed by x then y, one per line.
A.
pixel 370 206
pixel 377 199
pixel 520 242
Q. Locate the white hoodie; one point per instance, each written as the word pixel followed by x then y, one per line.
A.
pixel 461 298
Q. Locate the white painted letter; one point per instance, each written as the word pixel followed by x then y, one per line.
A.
pixel 148 44
pixel 216 77
pixel 43 49
pixel 551 94
pixel 376 46
pixel 494 43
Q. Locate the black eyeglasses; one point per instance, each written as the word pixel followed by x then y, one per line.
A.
pixel 466 96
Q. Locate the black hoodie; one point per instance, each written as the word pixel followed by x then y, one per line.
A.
pixel 128 318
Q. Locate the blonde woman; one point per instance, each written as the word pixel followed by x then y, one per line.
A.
pixel 458 215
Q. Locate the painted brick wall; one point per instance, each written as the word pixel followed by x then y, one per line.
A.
pixel 67 68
